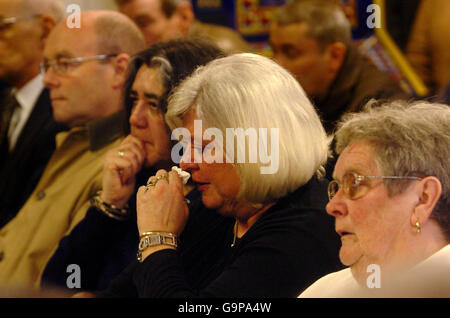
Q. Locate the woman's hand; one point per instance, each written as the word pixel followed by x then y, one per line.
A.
pixel 161 207
pixel 120 169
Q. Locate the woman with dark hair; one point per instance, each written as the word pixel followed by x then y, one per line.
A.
pixel 106 240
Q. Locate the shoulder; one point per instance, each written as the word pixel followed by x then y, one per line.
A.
pixel 331 285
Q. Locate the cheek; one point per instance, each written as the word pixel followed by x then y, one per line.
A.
pixel 371 231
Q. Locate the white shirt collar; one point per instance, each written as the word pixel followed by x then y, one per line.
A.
pixel 27 97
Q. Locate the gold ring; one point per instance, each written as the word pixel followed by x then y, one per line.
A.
pixel 152 183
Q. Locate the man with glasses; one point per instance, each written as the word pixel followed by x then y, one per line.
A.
pixel 85 70
pixel 27 128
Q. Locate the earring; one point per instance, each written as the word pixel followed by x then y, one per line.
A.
pixel 418 229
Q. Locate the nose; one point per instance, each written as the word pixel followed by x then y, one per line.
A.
pixel 187 163
pixel 336 206
pixel 51 79
pixel 138 117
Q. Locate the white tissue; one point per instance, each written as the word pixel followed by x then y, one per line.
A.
pixel 184 175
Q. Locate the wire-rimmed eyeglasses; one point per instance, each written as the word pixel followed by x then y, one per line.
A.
pixel 64 65
pixel 351 184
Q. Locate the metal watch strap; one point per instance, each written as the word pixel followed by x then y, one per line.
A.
pixel 156 238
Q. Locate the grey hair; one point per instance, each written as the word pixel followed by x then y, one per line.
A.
pixel 251 91
pixel 409 139
pixel 54 8
pixel 326 21
pixel 165 68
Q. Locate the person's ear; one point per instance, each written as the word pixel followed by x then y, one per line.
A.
pixel 47 23
pixel 429 190
pixel 120 64
pixel 336 53
pixel 184 14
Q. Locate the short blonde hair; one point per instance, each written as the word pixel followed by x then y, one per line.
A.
pixel 251 91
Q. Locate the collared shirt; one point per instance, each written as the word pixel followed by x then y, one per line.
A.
pixel 27 97
pixel 60 200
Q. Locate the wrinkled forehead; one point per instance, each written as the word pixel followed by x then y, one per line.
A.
pixel 71 42
pixel 359 157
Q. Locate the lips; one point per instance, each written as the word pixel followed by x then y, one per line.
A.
pixel 343 232
pixel 56 99
pixel 201 185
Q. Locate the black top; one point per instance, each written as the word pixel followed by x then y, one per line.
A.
pixel 289 247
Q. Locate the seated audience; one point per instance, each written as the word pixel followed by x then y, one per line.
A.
pixel 390 200
pixel 279 238
pixel 163 20
pixel 27 127
pixel 312 40
pixel 85 70
pixel 106 240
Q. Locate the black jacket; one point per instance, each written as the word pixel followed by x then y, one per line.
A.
pixel 21 169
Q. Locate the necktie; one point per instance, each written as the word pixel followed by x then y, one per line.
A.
pixel 9 120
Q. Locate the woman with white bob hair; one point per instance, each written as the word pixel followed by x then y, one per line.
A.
pixel 390 200
pixel 267 179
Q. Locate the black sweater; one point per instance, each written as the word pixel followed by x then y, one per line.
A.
pixel 290 246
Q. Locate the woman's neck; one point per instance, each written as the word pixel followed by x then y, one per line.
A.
pixel 244 223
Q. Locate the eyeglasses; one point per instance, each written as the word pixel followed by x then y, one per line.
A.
pixel 6 22
pixel 351 184
pixel 64 65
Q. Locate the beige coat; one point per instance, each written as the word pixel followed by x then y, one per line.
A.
pixel 60 200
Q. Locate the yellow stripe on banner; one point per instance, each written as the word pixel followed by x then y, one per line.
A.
pixel 395 53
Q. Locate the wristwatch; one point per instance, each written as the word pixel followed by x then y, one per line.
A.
pixel 155 238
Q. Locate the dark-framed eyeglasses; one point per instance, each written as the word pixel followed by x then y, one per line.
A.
pixel 63 66
pixel 351 184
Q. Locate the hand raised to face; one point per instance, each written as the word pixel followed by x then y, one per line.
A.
pixel 120 169
pixel 161 205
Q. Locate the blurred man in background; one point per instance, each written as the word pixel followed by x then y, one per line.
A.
pixel 163 20
pixel 312 39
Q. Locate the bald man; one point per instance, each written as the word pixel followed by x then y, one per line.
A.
pixel 85 70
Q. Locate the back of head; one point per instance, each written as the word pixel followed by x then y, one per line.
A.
pixel 247 91
pixel 326 21
pixel 409 139
pixel 116 33
pixel 176 59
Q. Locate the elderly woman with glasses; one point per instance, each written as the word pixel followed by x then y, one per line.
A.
pixel 390 200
